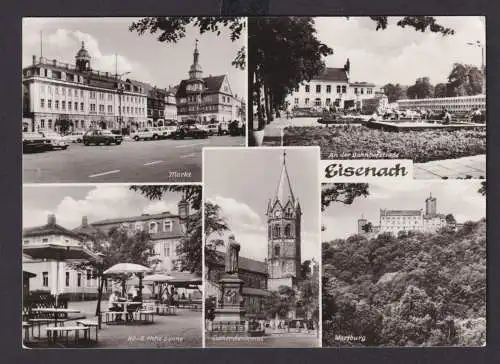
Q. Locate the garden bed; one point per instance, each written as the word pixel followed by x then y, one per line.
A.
pixel 360 142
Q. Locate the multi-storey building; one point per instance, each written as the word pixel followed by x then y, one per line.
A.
pixel 71 281
pixel 332 88
pixel 165 231
pixel 394 221
pixel 458 104
pixel 204 99
pixel 62 96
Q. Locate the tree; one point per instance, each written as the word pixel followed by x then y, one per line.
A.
pixel 419 23
pixel 441 90
pixel 422 89
pixel 305 269
pixel 482 189
pixel 393 92
pixel 344 193
pixel 367 228
pixel 465 80
pixel 173 29
pixel 191 194
pixel 450 219
pixel 215 225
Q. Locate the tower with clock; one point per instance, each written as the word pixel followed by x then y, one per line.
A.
pixel 284 234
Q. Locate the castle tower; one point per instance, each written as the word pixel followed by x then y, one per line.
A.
pixel 82 59
pixel 284 234
pixel 430 205
pixel 362 222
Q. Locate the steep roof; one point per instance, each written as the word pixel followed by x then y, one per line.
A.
pixel 333 74
pixel 284 192
pixel 211 83
pixel 400 212
pixel 143 217
pixel 50 229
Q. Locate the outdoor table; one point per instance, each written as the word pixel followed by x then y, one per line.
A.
pixel 56 312
pixel 125 304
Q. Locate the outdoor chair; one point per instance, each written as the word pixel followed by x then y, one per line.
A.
pixel 53 332
pixel 144 315
pixel 90 324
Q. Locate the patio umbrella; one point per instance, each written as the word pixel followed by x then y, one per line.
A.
pixel 158 278
pixel 128 268
pixel 59 253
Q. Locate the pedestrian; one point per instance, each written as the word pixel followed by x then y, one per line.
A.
pixel 219 129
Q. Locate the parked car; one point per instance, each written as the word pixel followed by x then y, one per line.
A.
pixel 213 129
pixel 101 137
pixel 35 142
pixel 56 140
pixel 189 131
pixel 166 131
pixel 202 127
pixel 74 137
pixel 143 134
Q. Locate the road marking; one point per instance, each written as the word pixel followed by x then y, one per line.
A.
pixel 152 163
pixel 188 155
pixel 104 173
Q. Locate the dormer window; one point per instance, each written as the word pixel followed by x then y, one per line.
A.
pixel 167 225
pixel 138 226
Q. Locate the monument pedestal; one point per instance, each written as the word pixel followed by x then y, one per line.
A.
pixel 230 306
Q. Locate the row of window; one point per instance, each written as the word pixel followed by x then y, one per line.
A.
pixel 152 226
pixel 73 106
pixel 70 92
pixel 401 217
pixel 77 124
pixel 45 278
pixel 317 101
pixel 275 232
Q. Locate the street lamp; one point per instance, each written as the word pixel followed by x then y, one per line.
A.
pixel 120 94
pixel 480 45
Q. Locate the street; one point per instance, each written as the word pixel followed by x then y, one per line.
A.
pixel 144 161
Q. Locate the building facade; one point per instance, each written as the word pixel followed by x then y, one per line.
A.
pixel 204 99
pixel 458 104
pixel 394 221
pixel 70 281
pixel 332 89
pixel 60 96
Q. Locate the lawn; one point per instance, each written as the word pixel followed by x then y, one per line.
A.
pixel 360 142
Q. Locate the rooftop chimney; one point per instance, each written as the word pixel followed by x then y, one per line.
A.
pixel 34 59
pixel 85 221
pixel 51 219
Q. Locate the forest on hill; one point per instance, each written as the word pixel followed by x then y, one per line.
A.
pixel 415 289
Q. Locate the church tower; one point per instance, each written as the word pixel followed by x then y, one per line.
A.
pixel 82 59
pixel 430 205
pixel 195 84
pixel 195 71
pixel 284 217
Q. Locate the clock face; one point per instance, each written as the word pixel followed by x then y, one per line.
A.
pixel 277 213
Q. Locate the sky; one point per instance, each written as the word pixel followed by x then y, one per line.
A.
pixel 397 55
pixel 457 197
pixel 241 183
pixel 70 203
pixel 148 60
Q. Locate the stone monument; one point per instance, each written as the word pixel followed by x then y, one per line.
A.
pixel 230 305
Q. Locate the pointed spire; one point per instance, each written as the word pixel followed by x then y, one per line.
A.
pixel 284 191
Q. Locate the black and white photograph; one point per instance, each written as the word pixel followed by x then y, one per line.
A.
pixel 262 247
pixel 404 264
pixel 130 99
pixel 112 266
pixel 407 87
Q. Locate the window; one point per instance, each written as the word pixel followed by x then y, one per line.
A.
pixel 92 94
pixel 56 89
pixel 49 104
pixel 67 279
pixel 76 124
pixel 81 106
pixel 277 231
pixel 318 89
pixel 277 251
pixel 92 107
pixel 50 124
pixel 167 225
pixel 56 105
pixel 63 90
pixel 338 89
pixel 296 101
pixel 101 109
pixel 45 279
pixel 306 101
pixel 328 89
pixel 69 105
pixel 344 89
pixel 328 101
pixel 307 88
pixel 76 106
pixel 42 103
pixel 89 274
pixel 79 280
pixel 42 124
pixel 317 102
pixel 356 90
pixel 110 109
pixel 101 96
pixel 362 91
pixel 63 105
pixel 287 231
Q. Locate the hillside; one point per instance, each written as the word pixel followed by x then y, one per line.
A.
pixel 415 290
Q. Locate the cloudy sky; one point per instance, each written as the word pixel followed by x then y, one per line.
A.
pixel 148 60
pixel 400 55
pixel 70 203
pixel 242 182
pixel 458 197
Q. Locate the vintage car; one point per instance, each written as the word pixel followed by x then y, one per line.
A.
pixel 35 142
pixel 101 137
pixel 189 131
pixel 146 134
pixel 56 140
pixel 74 137
pixel 166 131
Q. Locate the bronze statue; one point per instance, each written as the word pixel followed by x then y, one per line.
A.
pixel 232 251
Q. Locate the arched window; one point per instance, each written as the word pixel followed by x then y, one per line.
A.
pixel 277 232
pixel 269 231
pixel 153 227
pixel 287 231
pixel 277 251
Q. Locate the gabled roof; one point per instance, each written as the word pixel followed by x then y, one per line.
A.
pixel 400 212
pixel 211 84
pixel 333 74
pixel 50 229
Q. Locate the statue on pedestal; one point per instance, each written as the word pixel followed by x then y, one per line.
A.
pixel 232 252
